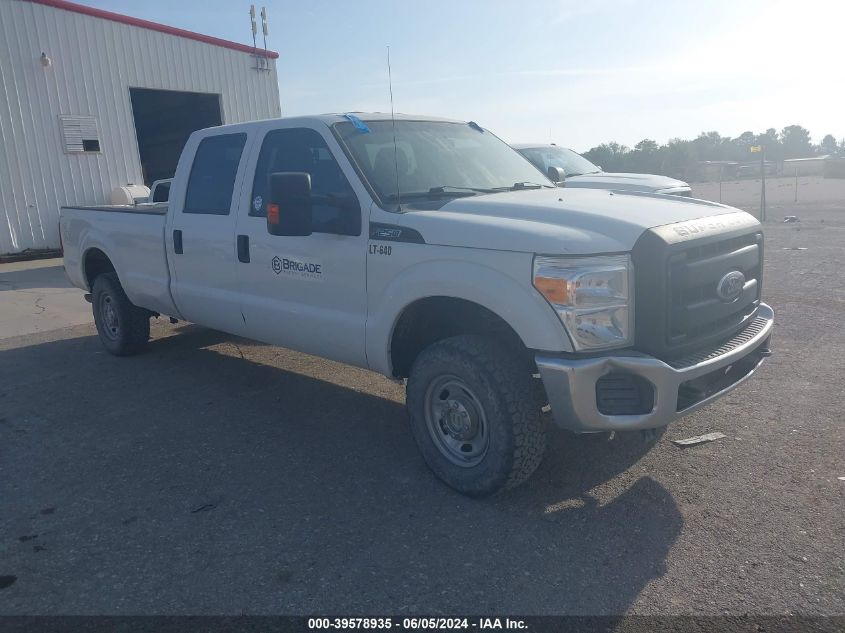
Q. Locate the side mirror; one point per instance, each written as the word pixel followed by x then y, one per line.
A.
pixel 556 174
pixel 289 207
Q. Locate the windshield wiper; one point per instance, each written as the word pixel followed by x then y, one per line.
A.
pixel 445 191
pixel 454 191
pixel 443 188
pixel 525 184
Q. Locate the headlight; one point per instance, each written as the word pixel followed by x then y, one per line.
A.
pixel 592 295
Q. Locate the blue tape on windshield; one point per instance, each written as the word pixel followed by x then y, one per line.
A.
pixel 476 127
pixel 358 123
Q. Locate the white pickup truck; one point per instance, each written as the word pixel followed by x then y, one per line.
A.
pixel 577 171
pixel 429 250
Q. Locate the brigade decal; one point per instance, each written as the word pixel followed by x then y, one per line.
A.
pixel 298 267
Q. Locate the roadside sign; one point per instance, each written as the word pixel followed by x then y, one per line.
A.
pixel 756 148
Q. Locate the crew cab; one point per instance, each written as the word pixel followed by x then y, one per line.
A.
pixel 430 251
pixel 562 163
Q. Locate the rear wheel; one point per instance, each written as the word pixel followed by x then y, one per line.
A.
pixel 474 415
pixel 124 328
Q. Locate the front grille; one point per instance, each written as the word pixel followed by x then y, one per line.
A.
pixel 694 309
pixel 678 270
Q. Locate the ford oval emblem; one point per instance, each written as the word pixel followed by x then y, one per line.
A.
pixel 730 286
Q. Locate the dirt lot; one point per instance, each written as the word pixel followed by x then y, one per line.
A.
pixel 214 475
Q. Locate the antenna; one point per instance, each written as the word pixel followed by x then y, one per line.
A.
pixel 254 27
pixel 264 30
pixel 393 123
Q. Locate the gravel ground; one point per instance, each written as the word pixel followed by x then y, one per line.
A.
pixel 213 475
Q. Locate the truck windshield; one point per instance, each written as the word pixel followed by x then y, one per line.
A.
pixel 571 163
pixel 435 159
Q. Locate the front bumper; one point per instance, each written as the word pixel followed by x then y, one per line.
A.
pixel 679 386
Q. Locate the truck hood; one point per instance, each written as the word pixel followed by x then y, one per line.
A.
pixel 624 182
pixel 555 221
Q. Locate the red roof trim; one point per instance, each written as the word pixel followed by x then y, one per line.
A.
pixel 153 26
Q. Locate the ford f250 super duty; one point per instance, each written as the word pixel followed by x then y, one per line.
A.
pixel 430 251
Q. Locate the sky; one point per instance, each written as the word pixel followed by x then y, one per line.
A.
pixel 577 72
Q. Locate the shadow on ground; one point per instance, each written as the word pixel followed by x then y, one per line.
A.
pixel 46 277
pixel 189 480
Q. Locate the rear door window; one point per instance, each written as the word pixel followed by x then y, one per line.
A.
pixel 213 173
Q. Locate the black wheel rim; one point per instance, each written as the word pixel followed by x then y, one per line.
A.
pixel 108 317
pixel 456 421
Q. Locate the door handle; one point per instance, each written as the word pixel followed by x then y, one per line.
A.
pixel 243 249
pixel 177 241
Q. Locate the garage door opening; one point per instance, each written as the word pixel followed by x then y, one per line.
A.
pixel 164 119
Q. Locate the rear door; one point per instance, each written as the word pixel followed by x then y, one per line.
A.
pixel 306 293
pixel 201 234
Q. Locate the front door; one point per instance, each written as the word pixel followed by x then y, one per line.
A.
pixel 306 293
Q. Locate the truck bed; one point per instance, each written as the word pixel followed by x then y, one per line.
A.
pixel 151 208
pixel 132 237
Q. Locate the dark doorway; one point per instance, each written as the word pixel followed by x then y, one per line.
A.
pixel 164 119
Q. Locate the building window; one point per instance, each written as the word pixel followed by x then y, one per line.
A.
pixel 80 134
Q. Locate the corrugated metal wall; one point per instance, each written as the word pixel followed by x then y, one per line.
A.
pixel 94 63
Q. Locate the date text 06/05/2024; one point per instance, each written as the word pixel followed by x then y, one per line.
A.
pixel 417 623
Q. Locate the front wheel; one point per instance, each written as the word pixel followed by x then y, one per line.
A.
pixel 124 328
pixel 474 415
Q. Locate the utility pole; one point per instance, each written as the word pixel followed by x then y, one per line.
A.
pixel 763 181
pixel 761 149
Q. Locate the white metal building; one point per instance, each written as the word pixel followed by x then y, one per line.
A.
pixel 91 100
pixel 812 166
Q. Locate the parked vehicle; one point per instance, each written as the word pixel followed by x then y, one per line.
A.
pixel 441 257
pixel 579 172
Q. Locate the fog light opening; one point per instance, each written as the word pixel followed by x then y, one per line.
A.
pixel 619 393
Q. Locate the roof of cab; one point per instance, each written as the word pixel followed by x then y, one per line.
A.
pixel 327 119
pixel 380 116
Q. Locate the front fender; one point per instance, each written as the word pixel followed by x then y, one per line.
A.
pixel 517 303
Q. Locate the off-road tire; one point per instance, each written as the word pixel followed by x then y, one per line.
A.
pixel 132 330
pixel 499 379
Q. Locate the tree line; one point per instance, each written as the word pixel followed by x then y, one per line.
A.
pixel 678 156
